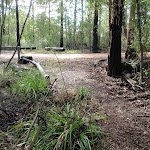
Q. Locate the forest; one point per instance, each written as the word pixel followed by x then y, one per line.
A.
pixel 75 74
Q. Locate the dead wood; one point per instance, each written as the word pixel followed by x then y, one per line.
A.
pixel 22 61
pixel 55 48
pixel 37 64
pixel 133 83
pixel 18 68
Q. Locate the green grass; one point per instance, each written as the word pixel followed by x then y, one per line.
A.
pixel 30 85
pixel 64 127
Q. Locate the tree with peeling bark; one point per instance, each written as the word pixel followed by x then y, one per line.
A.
pixel 114 56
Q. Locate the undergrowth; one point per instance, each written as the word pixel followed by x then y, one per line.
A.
pixel 30 85
pixel 53 124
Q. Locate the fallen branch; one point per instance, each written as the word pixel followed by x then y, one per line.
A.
pixel 133 83
pixel 19 68
pixel 55 48
pixel 37 64
pixel 37 133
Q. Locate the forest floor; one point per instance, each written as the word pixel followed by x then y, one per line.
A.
pixel 127 111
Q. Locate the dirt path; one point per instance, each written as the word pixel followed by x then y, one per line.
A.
pixel 7 55
pixel 128 112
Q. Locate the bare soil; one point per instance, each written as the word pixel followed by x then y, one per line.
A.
pixel 128 112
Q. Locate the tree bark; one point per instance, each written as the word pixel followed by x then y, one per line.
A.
pixel 114 57
pixel 75 18
pixel 61 28
pixel 130 29
pixel 95 28
pixel 110 15
pixel 90 28
pixel 99 27
pixel 49 16
pixel 33 21
pixel 2 25
pixel 140 38
pixel 82 37
pixel 17 24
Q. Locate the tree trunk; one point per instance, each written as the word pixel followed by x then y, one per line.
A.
pixel 90 28
pixel 66 29
pixel 82 37
pixel 17 23
pixel 110 15
pixel 75 18
pixel 33 20
pixel 49 16
pixel 95 27
pixel 3 15
pixel 9 26
pixel 114 57
pixel 99 30
pixel 140 38
pixel 61 28
pixel 2 25
pixel 130 29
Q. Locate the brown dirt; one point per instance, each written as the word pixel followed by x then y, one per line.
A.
pixel 128 111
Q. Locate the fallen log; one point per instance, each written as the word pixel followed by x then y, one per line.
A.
pixel 55 48
pixel 37 65
pixel 22 61
pixel 18 67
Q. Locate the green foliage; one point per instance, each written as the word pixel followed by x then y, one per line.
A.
pixel 30 85
pixel 64 127
pixel 7 77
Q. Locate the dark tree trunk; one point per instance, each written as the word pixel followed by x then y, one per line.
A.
pixel 17 23
pixel 3 24
pixel 114 58
pixel 61 28
pixel 95 28
pixel 33 21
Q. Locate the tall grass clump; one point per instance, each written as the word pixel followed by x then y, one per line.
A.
pixel 67 130
pixel 30 85
pixel 63 127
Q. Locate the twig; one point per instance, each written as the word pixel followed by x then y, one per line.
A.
pixel 61 73
pixel 37 134
pixel 53 83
